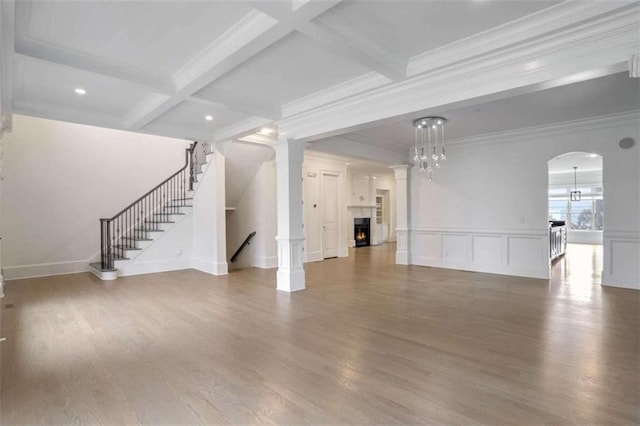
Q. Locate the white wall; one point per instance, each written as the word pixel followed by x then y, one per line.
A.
pixel 486 209
pixel 209 223
pixel 60 178
pixel 255 211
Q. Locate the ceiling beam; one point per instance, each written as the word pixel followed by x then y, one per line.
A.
pixel 375 57
pixel 242 129
pixel 7 35
pixel 214 96
pixel 252 34
pixel 65 57
pixel 245 39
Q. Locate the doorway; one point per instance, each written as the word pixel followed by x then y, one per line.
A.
pixel 330 214
pixel 576 217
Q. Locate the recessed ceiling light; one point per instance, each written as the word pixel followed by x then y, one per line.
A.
pixel 266 131
pixel 208 117
pixel 593 155
pixel 80 91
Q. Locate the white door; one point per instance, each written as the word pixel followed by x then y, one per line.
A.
pixel 329 215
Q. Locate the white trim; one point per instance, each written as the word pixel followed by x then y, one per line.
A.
pixel 550 130
pixel 368 81
pixel 153 266
pixel 513 33
pixel 241 129
pixel 313 256
pixel 488 231
pixel 213 268
pixel 596 45
pixel 265 262
pixel 503 261
pixel 45 269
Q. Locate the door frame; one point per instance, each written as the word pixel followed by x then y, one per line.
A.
pixel 340 213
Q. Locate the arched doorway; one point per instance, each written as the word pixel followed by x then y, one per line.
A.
pixel 576 218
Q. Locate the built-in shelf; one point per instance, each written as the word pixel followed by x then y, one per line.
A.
pixel 361 206
pixel 230 209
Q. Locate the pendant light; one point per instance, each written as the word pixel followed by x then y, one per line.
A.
pixel 575 194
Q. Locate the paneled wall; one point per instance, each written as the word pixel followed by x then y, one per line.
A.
pixel 486 209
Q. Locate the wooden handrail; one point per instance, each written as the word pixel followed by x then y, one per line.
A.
pixel 242 246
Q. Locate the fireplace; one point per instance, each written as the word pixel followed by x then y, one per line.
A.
pixel 361 231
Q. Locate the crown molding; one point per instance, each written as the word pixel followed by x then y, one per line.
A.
pixel 346 147
pixel 368 81
pixel 526 28
pixel 599 46
pixel 631 118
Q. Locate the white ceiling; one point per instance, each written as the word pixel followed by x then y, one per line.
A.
pixel 601 96
pixel 412 27
pixel 161 66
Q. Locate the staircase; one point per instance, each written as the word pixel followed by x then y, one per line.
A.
pixel 127 234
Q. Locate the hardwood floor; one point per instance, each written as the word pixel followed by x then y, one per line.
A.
pixel 367 342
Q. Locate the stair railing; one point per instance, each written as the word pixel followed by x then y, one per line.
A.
pixel 246 242
pixel 149 212
pixel 198 160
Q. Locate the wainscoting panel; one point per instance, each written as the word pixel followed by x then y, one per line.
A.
pixel 486 250
pixel 520 253
pixel 429 245
pixel 455 248
pixel 621 264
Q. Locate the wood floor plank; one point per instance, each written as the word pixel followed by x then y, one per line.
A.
pixel 368 342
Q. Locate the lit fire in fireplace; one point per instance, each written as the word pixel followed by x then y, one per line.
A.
pixel 361 236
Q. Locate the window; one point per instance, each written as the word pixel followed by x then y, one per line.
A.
pixel 586 214
pixel 558 209
pixel 582 215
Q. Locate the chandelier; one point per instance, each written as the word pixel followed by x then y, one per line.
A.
pixel 429 151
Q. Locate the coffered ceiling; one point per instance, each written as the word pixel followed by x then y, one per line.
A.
pixel 163 66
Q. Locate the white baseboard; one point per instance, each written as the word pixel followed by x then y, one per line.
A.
pixel 313 256
pixel 45 269
pixel 153 266
pixel 214 268
pixel 265 262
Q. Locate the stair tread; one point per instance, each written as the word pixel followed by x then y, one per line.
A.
pixel 148 230
pixel 158 221
pixel 179 205
pixel 137 239
pixel 169 214
pixel 126 247
pixel 183 199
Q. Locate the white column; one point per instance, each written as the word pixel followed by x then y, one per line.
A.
pixel 289 158
pixel 402 172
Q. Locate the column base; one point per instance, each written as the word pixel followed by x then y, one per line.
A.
pixel 290 281
pixel 402 258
